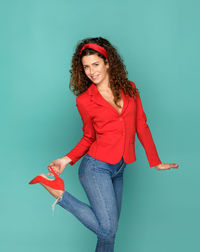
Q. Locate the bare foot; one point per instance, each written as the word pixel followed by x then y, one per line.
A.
pixel 56 193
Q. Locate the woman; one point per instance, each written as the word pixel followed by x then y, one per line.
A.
pixel 111 111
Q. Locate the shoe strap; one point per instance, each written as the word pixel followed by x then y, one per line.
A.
pixel 54 173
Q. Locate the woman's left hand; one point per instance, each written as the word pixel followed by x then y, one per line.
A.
pixel 166 166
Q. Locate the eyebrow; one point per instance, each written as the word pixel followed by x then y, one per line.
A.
pixel 92 63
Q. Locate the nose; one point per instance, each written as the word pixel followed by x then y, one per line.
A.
pixel 91 71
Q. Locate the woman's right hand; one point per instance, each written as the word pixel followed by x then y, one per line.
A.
pixel 58 165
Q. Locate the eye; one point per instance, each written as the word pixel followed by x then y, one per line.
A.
pixel 96 64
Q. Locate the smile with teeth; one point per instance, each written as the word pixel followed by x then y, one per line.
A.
pixel 95 76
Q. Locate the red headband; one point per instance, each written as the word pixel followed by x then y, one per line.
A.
pixel 96 47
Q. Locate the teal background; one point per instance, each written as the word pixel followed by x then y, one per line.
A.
pixel 159 42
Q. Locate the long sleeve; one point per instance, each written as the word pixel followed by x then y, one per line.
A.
pixel 88 137
pixel 144 134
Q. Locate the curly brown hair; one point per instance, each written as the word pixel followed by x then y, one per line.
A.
pixel 118 75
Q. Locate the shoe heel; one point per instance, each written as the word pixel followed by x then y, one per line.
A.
pixel 53 206
pixel 55 202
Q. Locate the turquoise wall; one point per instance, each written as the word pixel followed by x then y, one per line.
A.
pixel 159 42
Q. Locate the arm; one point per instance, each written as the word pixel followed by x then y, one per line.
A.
pixel 88 138
pixel 144 134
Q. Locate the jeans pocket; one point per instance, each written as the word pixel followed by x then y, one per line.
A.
pixel 82 166
pixel 120 170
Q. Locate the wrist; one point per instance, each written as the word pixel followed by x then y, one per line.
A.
pixel 67 159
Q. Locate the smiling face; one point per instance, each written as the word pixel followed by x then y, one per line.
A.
pixel 95 68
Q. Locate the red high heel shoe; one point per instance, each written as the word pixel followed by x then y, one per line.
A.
pixel 57 183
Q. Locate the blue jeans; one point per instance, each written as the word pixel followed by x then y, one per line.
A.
pixel 103 184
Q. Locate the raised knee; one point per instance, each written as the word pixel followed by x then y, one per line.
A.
pixel 108 233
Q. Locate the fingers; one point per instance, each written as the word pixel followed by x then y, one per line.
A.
pixel 50 167
pixel 172 165
pixel 167 166
pixel 50 172
pixel 52 164
pixel 55 169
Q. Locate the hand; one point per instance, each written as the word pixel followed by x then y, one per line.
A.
pixel 166 166
pixel 58 165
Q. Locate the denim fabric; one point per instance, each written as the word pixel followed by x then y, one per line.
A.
pixel 103 184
